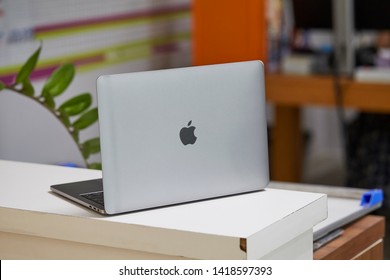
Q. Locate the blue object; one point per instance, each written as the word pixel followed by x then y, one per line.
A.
pixel 371 198
pixel 68 164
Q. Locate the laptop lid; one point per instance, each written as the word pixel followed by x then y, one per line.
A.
pixel 181 135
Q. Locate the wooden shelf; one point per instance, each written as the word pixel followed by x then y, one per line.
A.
pixel 291 92
pixel 362 239
pixel 294 90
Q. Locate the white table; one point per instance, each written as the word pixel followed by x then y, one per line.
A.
pixel 37 224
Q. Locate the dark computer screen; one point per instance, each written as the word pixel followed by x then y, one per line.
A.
pixel 312 14
pixel 372 14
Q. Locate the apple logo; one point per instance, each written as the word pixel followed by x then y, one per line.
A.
pixel 187 135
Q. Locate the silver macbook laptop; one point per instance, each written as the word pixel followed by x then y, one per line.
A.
pixel 175 136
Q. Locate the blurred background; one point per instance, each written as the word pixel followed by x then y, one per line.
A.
pixel 327 73
pixel 98 37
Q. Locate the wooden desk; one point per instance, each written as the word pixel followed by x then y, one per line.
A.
pixel 289 93
pixel 37 224
pixel 361 240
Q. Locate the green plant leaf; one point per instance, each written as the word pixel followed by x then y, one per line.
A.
pixel 28 67
pixel 76 105
pixel 85 152
pixel 2 85
pixel 59 80
pixel 86 119
pixel 28 89
pixel 49 100
pixel 92 145
pixel 65 120
pixel 95 165
pixel 75 134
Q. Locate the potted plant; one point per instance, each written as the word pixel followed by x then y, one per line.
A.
pixel 74 114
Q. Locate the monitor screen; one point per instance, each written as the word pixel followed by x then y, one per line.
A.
pixel 310 14
pixel 372 14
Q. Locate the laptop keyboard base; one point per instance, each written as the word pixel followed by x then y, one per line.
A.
pixel 96 197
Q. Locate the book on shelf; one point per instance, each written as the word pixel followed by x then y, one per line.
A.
pixel 373 74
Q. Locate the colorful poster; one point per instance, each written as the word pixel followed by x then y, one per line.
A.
pixel 89 33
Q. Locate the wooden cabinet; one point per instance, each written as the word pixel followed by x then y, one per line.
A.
pixel 361 240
